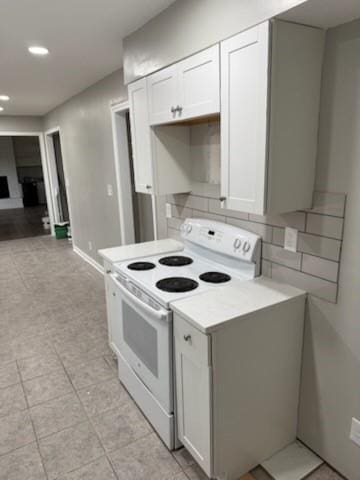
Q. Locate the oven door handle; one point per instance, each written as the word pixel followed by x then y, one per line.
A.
pixel 137 304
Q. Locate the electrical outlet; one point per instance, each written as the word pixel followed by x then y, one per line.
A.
pixel 110 191
pixel 168 210
pixel 90 245
pixel 355 431
pixel 291 239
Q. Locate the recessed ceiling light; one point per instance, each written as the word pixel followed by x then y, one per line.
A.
pixel 36 50
pixel 4 98
pixel 1 109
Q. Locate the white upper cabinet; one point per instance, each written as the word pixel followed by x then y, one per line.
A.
pixel 186 90
pixel 199 84
pixel 244 97
pixel 161 155
pixel 141 136
pixel 163 95
pixel 270 95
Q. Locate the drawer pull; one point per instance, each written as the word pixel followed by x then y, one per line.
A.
pixel 187 338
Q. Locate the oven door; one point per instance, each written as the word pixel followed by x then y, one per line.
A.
pixel 143 336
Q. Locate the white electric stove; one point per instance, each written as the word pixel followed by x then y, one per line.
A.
pixel 214 255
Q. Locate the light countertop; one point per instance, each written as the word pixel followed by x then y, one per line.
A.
pixel 211 309
pixel 138 250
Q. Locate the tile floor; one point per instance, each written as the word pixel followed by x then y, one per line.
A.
pixel 63 413
pixel 21 223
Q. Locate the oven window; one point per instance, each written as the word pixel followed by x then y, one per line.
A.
pixel 141 338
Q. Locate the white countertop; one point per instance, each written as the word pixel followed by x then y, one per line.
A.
pixel 138 250
pixel 209 310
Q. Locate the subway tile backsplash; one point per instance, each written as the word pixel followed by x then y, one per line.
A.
pixel 314 267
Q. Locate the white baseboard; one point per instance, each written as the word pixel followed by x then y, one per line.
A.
pixel 88 259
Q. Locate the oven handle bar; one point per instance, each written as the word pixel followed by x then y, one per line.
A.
pixel 136 303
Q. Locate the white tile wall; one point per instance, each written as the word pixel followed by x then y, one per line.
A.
pixel 314 267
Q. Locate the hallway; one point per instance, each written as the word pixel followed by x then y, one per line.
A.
pixel 22 223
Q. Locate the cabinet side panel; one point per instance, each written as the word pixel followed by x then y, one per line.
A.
pixel 172 162
pixel 256 377
pixel 140 136
pixel 297 53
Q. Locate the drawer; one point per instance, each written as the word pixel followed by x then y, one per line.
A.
pixel 196 344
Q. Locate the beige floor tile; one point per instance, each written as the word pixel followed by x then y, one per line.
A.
pixel 70 449
pixel 325 473
pixel 15 431
pixel 94 371
pixel 12 399
pixel 121 426
pixel 146 459
pixel 183 457
pixel 47 387
pixel 195 473
pixel 9 375
pixel 58 414
pixel 39 365
pixel 103 396
pixel 98 470
pixel 23 463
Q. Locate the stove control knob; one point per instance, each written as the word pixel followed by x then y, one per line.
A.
pixel 237 243
pixel 246 247
pixel 188 229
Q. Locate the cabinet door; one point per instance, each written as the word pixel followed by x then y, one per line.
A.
pixel 163 96
pixel 141 136
pixel 244 111
pixel 193 391
pixel 199 84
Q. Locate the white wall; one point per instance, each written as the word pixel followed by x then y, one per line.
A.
pixel 87 148
pixel 331 376
pixel 20 124
pixel 8 169
pixel 188 26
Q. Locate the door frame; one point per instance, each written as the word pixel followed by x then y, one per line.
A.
pixel 118 110
pixel 44 165
pixel 53 177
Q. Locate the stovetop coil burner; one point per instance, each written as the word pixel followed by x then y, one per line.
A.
pixel 176 261
pixel 177 284
pixel 139 266
pixel 215 277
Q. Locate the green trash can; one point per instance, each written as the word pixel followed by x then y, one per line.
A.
pixel 61 230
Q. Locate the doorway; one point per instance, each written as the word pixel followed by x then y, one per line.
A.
pixel 58 178
pixel 137 210
pixel 23 186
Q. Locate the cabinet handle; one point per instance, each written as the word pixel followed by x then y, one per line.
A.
pixel 108 271
pixel 173 109
pixel 222 199
pixel 148 187
pixel 114 294
pixel 187 338
pixel 179 109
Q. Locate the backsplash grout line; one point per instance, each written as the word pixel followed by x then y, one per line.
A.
pixel 322 252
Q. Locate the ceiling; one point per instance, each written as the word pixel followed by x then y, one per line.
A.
pixel 324 13
pixel 84 38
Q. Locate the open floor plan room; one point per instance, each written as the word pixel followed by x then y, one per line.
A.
pixel 179 224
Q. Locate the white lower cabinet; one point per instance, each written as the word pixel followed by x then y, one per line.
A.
pixel 193 391
pixel 237 388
